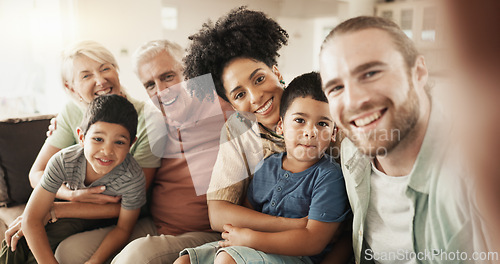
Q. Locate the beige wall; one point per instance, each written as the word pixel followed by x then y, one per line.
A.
pixel 123 25
pixel 34 32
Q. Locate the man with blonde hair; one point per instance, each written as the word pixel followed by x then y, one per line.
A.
pixel 409 196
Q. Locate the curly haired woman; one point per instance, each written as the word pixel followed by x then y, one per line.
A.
pixel 240 51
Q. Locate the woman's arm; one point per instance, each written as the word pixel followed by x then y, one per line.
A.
pixel 33 224
pixel 116 238
pixel 315 235
pixel 40 163
pixel 223 212
pixel 86 210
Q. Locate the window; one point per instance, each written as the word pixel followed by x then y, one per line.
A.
pixel 429 24
pixel 407 22
pixel 169 17
pixel 32 39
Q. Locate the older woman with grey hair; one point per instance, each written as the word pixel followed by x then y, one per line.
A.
pixel 88 71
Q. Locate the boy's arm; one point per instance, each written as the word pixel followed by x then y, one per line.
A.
pixel 34 224
pixel 315 235
pixel 223 213
pixel 116 238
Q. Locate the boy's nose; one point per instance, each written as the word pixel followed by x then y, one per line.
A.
pixel 107 149
pixel 310 132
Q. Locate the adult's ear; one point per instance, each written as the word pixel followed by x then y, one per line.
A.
pixel 81 136
pixel 72 91
pixel 277 72
pixel 69 87
pixel 420 72
pixel 279 127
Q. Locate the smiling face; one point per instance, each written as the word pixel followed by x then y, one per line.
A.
pixel 92 78
pixel 105 146
pixel 161 76
pixel 307 128
pixel 374 97
pixel 251 86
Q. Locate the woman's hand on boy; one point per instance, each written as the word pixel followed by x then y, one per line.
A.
pixel 90 195
pixel 52 127
pixel 236 236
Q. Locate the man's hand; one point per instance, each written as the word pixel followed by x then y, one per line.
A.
pixel 52 127
pixel 236 236
pixel 90 195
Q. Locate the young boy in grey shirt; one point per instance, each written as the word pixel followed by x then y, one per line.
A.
pixel 101 158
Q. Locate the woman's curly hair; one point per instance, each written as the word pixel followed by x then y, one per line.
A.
pixel 240 33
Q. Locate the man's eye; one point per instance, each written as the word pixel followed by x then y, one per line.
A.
pixel 370 74
pixel 106 69
pixel 168 78
pixel 337 88
pixel 149 86
pixel 333 90
pixel 85 76
pixel 299 120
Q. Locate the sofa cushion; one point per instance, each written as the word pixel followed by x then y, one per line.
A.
pixel 20 141
pixel 4 195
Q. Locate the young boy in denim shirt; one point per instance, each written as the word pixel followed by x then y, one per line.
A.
pixel 100 159
pixel 302 182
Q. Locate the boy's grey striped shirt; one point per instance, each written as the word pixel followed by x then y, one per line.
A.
pixel 68 166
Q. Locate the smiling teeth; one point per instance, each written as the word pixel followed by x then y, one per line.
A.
pixel 104 91
pixel 367 120
pixel 265 107
pixel 171 101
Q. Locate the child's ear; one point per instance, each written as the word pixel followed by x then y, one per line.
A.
pixel 81 136
pixel 334 134
pixel 279 127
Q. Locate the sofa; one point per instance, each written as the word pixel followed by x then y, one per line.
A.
pixel 20 141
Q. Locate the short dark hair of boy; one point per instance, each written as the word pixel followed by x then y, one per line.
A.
pixel 305 85
pixel 113 109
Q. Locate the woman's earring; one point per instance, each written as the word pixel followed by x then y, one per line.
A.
pixel 81 99
pixel 283 83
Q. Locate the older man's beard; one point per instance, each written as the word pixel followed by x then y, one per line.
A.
pixel 380 142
